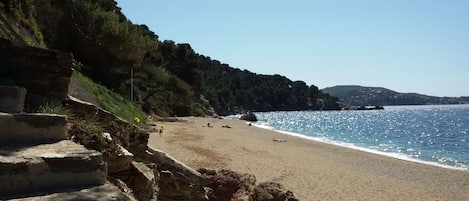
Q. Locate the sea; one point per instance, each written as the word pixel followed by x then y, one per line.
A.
pixel 435 135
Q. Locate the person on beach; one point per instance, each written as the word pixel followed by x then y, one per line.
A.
pixel 162 129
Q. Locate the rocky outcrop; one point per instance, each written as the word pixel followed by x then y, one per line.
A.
pixel 249 116
pixel 120 162
pixel 132 137
pixel 177 181
pixel 228 185
pixel 141 180
pixel 271 191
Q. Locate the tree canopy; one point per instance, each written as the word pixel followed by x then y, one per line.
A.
pixel 169 78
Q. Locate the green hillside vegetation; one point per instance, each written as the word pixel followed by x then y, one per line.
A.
pixel 229 88
pixel 108 100
pixel 169 79
pixel 362 96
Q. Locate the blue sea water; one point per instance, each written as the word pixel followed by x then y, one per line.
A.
pixel 437 135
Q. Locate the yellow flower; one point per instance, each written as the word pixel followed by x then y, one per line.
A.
pixel 137 120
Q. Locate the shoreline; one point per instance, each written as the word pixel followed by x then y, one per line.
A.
pixel 312 170
pixel 363 149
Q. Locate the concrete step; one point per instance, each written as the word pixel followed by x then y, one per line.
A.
pixel 49 167
pixel 106 192
pixel 31 128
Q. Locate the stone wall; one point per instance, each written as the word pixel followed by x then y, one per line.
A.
pixel 44 73
pixel 12 99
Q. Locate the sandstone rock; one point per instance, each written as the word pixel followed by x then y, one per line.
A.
pixel 166 162
pixel 120 162
pixel 12 99
pixel 271 191
pixel 122 186
pixel 177 186
pixel 249 117
pixel 177 181
pixel 141 179
pixel 228 185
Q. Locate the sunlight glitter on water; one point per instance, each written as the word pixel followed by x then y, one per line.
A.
pixel 435 134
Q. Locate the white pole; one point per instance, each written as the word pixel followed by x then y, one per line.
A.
pixel 131 84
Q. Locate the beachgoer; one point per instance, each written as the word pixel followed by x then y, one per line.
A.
pixel 162 129
pixel 278 140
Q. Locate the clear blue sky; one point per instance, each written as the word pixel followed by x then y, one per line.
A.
pixel 406 45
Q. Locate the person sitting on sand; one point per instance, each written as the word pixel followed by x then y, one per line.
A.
pixel 278 140
pixel 208 125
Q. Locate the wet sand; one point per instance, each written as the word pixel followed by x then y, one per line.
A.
pixel 312 170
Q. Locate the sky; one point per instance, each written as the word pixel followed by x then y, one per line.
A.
pixel 419 46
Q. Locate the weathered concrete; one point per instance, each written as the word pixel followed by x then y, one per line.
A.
pixel 12 99
pixel 49 167
pixel 27 128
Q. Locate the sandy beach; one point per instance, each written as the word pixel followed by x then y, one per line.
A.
pixel 312 170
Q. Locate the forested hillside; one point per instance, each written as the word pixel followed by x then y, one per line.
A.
pixel 362 96
pixel 168 78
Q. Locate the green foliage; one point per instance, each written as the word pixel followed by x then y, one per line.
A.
pixel 108 100
pixel 168 83
pixel 53 108
pixel 169 79
pixel 24 12
pixel 364 96
pixel 102 21
pixel 231 90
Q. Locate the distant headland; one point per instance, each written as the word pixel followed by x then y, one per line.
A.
pixel 364 96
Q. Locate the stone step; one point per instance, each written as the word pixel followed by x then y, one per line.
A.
pixel 31 128
pixel 49 167
pixel 106 192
